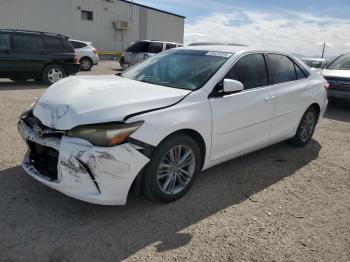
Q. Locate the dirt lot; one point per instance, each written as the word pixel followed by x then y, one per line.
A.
pixel 278 204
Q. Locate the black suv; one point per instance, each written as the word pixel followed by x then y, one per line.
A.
pixel 36 55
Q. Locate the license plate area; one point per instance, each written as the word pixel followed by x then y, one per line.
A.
pixel 44 159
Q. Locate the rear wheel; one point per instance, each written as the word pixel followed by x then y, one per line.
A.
pixel 306 128
pixel 53 73
pixel 173 168
pixel 85 64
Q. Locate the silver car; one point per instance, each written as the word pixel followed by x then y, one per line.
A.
pixel 87 54
pixel 337 75
pixel 141 50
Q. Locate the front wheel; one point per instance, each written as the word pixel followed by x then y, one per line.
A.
pixel 172 169
pixel 306 128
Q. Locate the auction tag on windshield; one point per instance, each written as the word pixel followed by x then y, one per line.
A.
pixel 221 54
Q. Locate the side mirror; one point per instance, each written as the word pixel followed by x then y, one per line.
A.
pixel 231 85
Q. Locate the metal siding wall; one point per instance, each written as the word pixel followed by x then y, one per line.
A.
pixel 142 23
pixel 63 16
pixel 164 26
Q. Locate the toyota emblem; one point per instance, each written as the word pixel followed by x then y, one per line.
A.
pixel 38 130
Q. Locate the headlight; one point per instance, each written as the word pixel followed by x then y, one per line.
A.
pixel 105 134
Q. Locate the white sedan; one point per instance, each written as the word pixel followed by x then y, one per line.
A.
pixel 157 125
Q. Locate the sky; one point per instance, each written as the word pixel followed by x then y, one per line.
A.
pixel 295 26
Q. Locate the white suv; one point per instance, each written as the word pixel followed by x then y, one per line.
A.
pixel 163 121
pixel 87 54
pixel 141 50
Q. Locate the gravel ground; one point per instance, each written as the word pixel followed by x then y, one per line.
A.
pixel 278 204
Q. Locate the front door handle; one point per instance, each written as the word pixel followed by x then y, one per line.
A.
pixel 269 98
pixel 307 87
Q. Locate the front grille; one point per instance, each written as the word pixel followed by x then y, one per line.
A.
pixel 44 159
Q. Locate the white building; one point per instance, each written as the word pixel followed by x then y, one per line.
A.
pixel 110 24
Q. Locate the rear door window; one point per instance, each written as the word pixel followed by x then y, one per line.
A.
pixel 170 46
pixel 138 47
pixel 25 41
pixel 251 71
pixel 77 44
pixel 54 43
pixel 282 68
pixel 155 48
pixel 5 41
pixel 300 73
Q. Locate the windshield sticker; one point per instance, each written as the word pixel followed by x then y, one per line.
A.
pixel 221 54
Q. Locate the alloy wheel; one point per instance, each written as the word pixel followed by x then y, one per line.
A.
pixel 54 75
pixel 307 126
pixel 85 64
pixel 176 169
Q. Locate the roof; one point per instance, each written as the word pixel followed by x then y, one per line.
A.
pixel 313 59
pixel 152 8
pixel 233 49
pixel 80 41
pixel 33 32
pixel 215 43
pixel 158 41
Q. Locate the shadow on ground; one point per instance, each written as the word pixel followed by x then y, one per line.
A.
pixel 338 111
pixel 25 85
pixel 44 225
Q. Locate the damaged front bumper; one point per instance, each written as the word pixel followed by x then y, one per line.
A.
pixel 98 175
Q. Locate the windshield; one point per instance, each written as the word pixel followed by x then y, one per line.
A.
pixel 179 68
pixel 313 63
pixel 341 63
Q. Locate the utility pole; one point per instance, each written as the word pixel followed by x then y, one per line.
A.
pixel 324 47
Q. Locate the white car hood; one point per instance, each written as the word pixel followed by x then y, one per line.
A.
pixel 82 100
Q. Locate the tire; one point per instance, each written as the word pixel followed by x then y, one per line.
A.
pixel 306 127
pixel 53 73
pixel 86 64
pixel 170 182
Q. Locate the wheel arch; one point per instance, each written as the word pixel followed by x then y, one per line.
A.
pixel 318 109
pixel 195 135
pixel 53 63
pixel 87 57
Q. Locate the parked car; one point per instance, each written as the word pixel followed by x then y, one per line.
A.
pixel 163 121
pixel 316 64
pixel 141 50
pixel 36 55
pixel 337 74
pixel 87 54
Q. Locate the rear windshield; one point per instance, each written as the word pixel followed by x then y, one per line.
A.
pixel 341 63
pixel 78 44
pixel 313 63
pixel 55 43
pixel 145 47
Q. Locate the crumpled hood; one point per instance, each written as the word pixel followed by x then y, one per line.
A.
pixel 335 73
pixel 82 100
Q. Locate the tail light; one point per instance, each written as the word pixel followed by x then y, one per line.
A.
pixel 75 58
pixel 94 50
pixel 326 86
